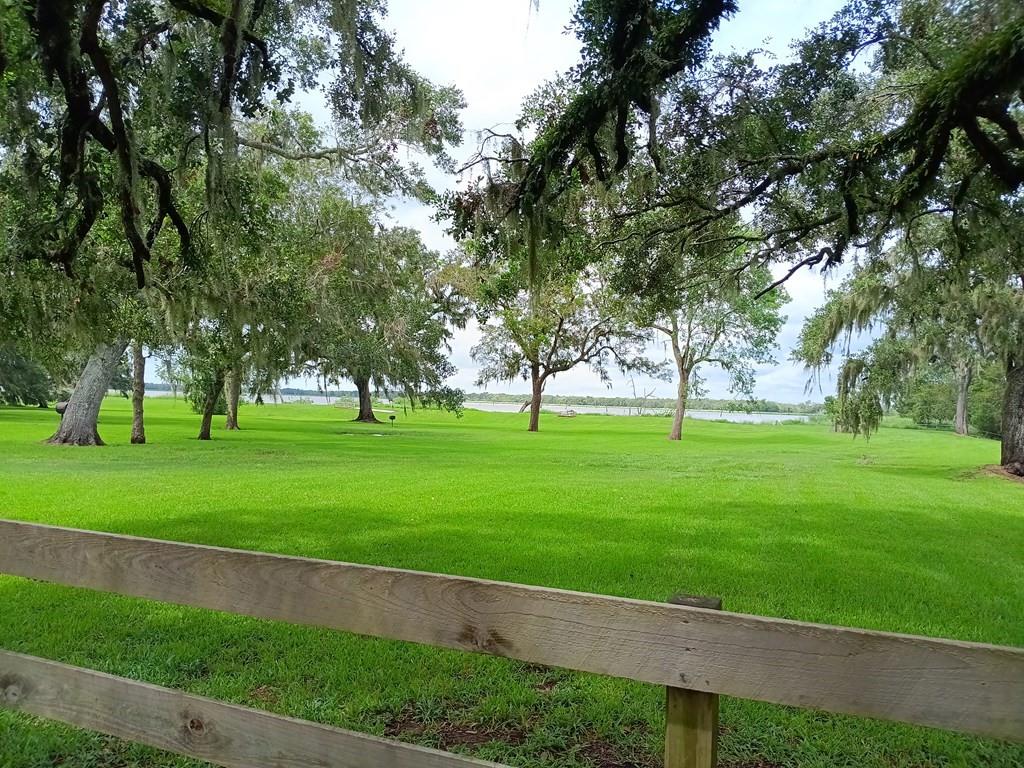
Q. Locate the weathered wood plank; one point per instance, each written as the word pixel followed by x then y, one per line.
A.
pixel 223 734
pixel 691 728
pixel 969 687
pixel 691 717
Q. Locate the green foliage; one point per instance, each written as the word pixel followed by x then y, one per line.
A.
pixel 929 397
pixel 630 50
pixel 890 112
pixel 868 383
pixel 388 314
pixel 202 366
pixel 953 311
pixel 831 410
pixel 986 404
pixel 174 71
pixel 197 385
pixel 22 381
pixel 542 305
pixel 152 169
pixel 858 403
pixel 535 331
pixel 729 322
pixel 446 399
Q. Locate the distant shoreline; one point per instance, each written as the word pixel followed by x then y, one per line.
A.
pixel 754 406
pixel 580 409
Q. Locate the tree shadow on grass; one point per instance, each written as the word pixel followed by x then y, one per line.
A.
pixel 908 570
pixel 902 568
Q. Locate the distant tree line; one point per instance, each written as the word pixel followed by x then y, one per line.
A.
pixel 755 405
pixel 930 396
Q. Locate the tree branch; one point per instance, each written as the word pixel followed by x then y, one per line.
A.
pixel 200 11
pixel 331 153
pixel 125 152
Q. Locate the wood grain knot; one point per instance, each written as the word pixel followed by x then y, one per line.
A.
pixel 198 731
pixel 12 690
pixel 487 640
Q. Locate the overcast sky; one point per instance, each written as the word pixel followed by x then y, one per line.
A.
pixel 497 52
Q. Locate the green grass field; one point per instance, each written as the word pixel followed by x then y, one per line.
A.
pixel 904 533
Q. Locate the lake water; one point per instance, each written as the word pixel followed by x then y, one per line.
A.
pixel 739 417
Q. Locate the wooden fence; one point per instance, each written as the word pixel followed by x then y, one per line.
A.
pixel 696 652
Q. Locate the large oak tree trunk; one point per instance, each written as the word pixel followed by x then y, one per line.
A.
pixel 233 392
pixel 365 402
pixel 536 395
pixel 78 426
pixel 1013 420
pixel 963 374
pixel 210 405
pixel 676 433
pixel 138 394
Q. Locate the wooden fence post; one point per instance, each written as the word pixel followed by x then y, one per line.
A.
pixel 691 717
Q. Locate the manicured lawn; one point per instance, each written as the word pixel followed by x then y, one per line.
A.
pixel 900 533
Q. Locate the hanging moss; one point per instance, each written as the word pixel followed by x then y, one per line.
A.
pixel 950 99
pixel 631 55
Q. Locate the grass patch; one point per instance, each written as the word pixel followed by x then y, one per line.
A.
pixel 900 533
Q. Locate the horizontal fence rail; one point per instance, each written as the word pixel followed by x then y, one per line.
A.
pixel 223 734
pixel 960 686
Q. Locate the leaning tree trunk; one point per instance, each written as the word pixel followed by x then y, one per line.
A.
pixel 536 394
pixel 963 374
pixel 676 433
pixel 1013 421
pixel 233 391
pixel 365 402
pixel 210 405
pixel 78 424
pixel 138 393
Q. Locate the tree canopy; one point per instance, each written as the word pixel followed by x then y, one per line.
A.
pixel 160 187
pixel 127 93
